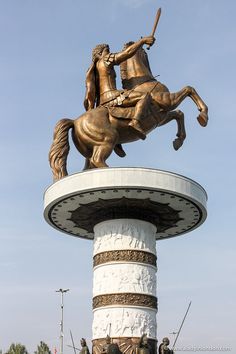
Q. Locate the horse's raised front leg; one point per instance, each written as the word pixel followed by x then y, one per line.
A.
pixel 170 101
pixel 202 107
pixel 181 133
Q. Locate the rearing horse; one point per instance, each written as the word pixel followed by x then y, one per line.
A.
pixel 98 132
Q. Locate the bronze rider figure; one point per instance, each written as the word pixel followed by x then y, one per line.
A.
pixel 101 83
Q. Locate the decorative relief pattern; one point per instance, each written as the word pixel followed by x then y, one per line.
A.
pixel 124 234
pixel 125 299
pixel 124 278
pixel 124 322
pixel 124 256
pixel 161 215
pixel 126 345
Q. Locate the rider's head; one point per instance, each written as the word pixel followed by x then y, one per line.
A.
pixel 83 342
pixel 166 341
pixel 108 339
pixel 145 339
pixel 99 50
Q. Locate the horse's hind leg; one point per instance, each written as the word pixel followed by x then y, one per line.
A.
pixel 181 133
pixel 100 154
pixel 86 164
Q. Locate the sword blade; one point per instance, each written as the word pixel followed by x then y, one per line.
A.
pixel 157 18
pixel 158 15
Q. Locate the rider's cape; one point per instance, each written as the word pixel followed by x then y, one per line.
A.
pixel 90 94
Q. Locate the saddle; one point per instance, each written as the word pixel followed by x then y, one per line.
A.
pixel 121 112
pixel 129 112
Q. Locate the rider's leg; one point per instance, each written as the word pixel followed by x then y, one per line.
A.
pixel 141 102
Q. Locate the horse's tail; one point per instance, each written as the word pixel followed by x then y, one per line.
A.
pixel 60 148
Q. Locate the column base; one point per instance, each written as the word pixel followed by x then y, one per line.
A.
pixel 127 345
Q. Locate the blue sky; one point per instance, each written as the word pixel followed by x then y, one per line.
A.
pixel 45 51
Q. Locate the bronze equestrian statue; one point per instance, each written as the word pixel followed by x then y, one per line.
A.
pixel 84 347
pixel 113 116
pixel 143 346
pixel 110 348
pixel 163 348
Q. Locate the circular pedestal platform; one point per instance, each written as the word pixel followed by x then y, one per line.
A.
pixel 171 202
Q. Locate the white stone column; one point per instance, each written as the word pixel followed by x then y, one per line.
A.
pixel 124 284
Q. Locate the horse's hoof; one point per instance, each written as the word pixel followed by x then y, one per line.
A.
pixel 177 143
pixel 203 119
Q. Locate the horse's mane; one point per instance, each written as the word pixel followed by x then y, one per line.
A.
pixel 141 53
pixel 123 66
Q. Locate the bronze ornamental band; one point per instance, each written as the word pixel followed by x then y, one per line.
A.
pixel 125 256
pixel 125 299
pixel 127 345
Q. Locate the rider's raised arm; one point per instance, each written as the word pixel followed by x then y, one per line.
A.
pixel 132 49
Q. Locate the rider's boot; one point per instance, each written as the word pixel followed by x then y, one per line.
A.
pixel 135 124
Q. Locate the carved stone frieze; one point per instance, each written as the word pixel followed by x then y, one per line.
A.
pixel 125 234
pixel 124 322
pixel 124 256
pixel 125 299
pixel 113 278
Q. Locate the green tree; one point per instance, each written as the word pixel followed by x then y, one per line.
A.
pixel 17 348
pixel 43 348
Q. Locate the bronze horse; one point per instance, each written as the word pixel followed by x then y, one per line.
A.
pixel 98 132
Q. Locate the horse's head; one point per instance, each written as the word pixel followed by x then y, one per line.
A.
pixel 126 45
pixel 136 69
